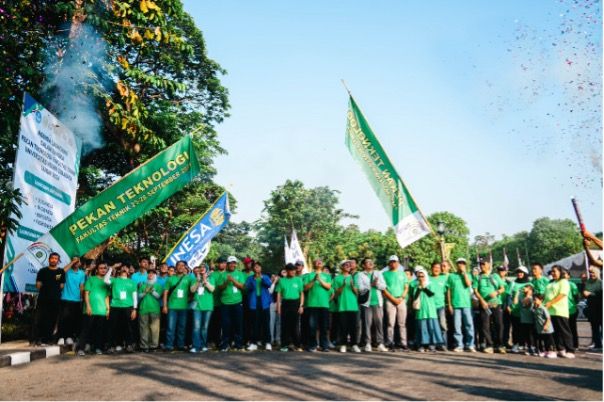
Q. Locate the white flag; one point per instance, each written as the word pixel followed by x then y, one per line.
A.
pixel 289 259
pixel 296 251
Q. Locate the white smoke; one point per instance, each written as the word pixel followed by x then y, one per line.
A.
pixel 74 73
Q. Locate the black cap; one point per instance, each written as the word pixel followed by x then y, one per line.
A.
pixel 501 268
pixel 220 260
pixel 290 267
pixel 483 260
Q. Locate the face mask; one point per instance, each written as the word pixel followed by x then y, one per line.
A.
pixel 151 281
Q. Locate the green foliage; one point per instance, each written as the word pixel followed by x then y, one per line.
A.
pixel 553 239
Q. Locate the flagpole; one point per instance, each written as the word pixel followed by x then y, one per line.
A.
pixel 408 192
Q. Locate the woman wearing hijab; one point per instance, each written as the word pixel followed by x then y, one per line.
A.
pixel 556 302
pixel 517 296
pixel 428 333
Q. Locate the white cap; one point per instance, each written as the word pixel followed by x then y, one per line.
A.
pixel 419 268
pixel 461 260
pixel 344 262
pixel 232 259
pixel 393 258
pixel 522 268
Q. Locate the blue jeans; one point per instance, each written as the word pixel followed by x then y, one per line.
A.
pixel 463 316
pixel 177 323
pixel 201 321
pixel 232 325
pixel 318 318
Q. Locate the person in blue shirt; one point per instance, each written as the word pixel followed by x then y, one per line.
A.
pixel 259 302
pixel 141 276
pixel 70 318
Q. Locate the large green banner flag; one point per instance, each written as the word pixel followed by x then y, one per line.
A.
pixel 132 196
pixel 407 220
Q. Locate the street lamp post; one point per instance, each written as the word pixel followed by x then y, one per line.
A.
pixel 440 229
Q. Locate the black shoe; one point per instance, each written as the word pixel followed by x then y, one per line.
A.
pixel 325 350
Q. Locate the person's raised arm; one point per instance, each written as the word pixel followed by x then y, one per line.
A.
pixel 325 285
pixel 107 277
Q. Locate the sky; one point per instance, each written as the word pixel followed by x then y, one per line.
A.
pixel 489 110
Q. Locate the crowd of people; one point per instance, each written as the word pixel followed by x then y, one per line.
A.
pixel 102 308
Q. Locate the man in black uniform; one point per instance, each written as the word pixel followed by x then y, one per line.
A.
pixel 49 281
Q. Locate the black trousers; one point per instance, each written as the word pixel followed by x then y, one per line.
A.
pixel 70 320
pixel 261 319
pixel 562 334
pixel 305 328
pixel 121 326
pixel 290 323
pixel 214 328
pixel 248 323
pixel 335 335
pixel 507 324
pixel 572 322
pixel 527 335
pixel 491 326
pixel 348 327
pixel 47 314
pixel 94 328
pixel 516 337
pixel 545 342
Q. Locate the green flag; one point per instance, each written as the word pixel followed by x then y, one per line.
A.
pixel 407 220
pixel 132 196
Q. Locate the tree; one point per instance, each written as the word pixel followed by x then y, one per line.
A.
pixel 553 239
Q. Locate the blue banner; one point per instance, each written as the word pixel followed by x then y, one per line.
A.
pixel 193 246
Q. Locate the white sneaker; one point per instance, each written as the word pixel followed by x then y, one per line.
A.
pixel 118 349
pixel 204 349
pixel 368 347
pixel 515 348
pixel 356 349
pixel 61 342
pixel 569 355
pixel 551 355
pixel 268 347
pixel 252 347
pixel 342 349
pixel 382 348
pixel 69 341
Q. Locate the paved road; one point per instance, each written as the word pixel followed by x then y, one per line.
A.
pixel 276 375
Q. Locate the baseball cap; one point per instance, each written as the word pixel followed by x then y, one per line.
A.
pixel 247 260
pixel 344 262
pixel 501 268
pixel 393 258
pixel 461 261
pixel 232 259
pixel 221 259
pixel 300 263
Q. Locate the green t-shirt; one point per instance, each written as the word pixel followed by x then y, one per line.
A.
pixel 149 304
pixel 539 285
pixel 203 299
pixel 553 289
pixel 121 292
pixel 231 294
pixel 412 286
pixel 347 300
pixel 438 284
pixel 317 296
pixel 258 285
pixel 517 289
pixel 290 288
pixel 217 293
pixel 179 299
pixel 461 295
pixel 487 284
pixel 427 307
pixel 98 292
pixel 395 282
pixel 572 298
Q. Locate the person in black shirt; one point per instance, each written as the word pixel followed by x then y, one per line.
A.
pixel 49 281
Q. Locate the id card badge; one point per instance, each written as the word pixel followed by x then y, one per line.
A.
pixel 180 293
pixel 122 295
pixel 235 290
pixel 200 290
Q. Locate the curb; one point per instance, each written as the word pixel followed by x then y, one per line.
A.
pixel 17 358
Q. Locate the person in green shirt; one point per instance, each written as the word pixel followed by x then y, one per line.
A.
pixel 539 281
pixel 556 302
pixel 123 308
pixel 231 284
pixel 438 282
pixel 395 295
pixel 290 302
pixel 214 330
pixel 346 293
pixel 488 288
pixel 502 272
pixel 318 286
pixel 149 310
pixel 176 300
pixel 459 300
pixel 96 301
pixel 203 305
pixel 427 328
pixel 515 298
pixel 573 299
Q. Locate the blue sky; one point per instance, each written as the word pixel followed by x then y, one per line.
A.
pixel 489 110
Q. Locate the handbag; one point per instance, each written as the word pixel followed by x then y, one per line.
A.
pixel 417 301
pixel 364 297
